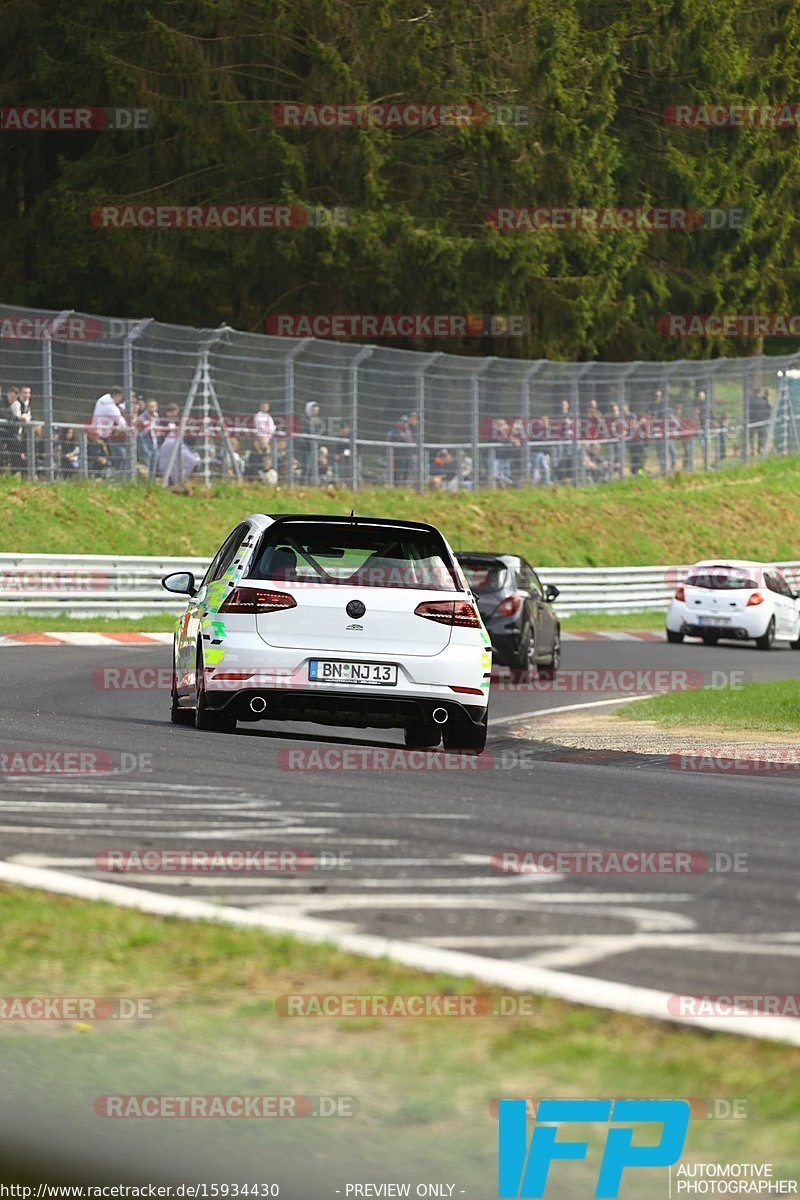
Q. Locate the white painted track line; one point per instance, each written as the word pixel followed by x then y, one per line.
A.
pixel 543 712
pixel 575 989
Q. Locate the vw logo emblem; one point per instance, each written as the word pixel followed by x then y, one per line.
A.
pixel 356 609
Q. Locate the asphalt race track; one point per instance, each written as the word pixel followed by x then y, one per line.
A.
pixel 420 842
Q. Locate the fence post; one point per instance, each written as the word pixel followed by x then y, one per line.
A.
pixel 577 461
pixel 127 383
pixel 47 392
pixel 364 352
pixel 621 402
pixel 289 386
pixel 476 417
pixel 422 471
pixel 526 412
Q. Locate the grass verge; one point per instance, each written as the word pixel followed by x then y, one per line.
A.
pixel 158 623
pixel 165 622
pixel 425 1086
pixel 632 522
pixel 753 707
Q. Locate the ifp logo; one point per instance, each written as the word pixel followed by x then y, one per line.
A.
pixel 523 1170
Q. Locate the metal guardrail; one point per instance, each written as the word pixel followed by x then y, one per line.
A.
pixel 107 584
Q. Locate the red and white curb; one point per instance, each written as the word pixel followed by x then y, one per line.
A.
pixel 641 635
pixel 147 639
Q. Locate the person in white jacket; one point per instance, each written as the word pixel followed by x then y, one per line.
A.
pixel 108 421
pixel 107 416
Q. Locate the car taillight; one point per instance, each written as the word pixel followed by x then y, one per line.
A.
pixel 508 607
pixel 680 594
pixel 449 612
pixel 754 598
pixel 256 600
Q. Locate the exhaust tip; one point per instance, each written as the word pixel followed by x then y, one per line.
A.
pixel 258 704
pixel 440 715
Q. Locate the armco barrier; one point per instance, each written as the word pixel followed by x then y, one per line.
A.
pixel 110 584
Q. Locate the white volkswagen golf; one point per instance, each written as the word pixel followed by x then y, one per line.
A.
pixel 735 599
pixel 346 621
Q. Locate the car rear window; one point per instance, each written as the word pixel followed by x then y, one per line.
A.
pixel 722 579
pixel 483 576
pixel 359 555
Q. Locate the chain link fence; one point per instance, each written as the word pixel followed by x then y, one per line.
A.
pixel 216 404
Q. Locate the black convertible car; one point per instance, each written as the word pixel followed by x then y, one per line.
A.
pixel 517 611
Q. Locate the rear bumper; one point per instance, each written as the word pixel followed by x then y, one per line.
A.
pixel 745 624
pixel 456 680
pixel 353 709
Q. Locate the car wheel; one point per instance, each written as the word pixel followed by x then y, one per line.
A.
pixel 523 664
pixel 178 716
pixel 205 717
pixel 548 670
pixel 765 641
pixel 672 636
pixel 422 737
pixel 709 639
pixel 795 645
pixel 461 734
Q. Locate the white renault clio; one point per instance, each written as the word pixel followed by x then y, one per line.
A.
pixel 346 621
pixel 735 599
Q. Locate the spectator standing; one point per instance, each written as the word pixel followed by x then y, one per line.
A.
pixel 402 440
pixel 264 425
pixel 343 458
pixel 10 413
pixel 110 425
pixel 25 412
pixel 313 427
pixel 185 459
pixel 148 427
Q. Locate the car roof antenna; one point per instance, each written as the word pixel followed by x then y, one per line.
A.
pixel 353 517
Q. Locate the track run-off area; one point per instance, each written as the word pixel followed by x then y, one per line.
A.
pixel 405 860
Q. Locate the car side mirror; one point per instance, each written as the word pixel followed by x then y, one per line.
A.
pixel 551 592
pixel 180 582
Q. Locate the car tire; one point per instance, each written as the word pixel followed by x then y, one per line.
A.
pixel 795 645
pixel 709 639
pixel 422 737
pixel 462 734
pixel 674 637
pixel 206 718
pixel 766 640
pixel 178 716
pixel 548 670
pixel 523 664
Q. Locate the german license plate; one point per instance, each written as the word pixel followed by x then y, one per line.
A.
pixel 715 620
pixel 322 670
